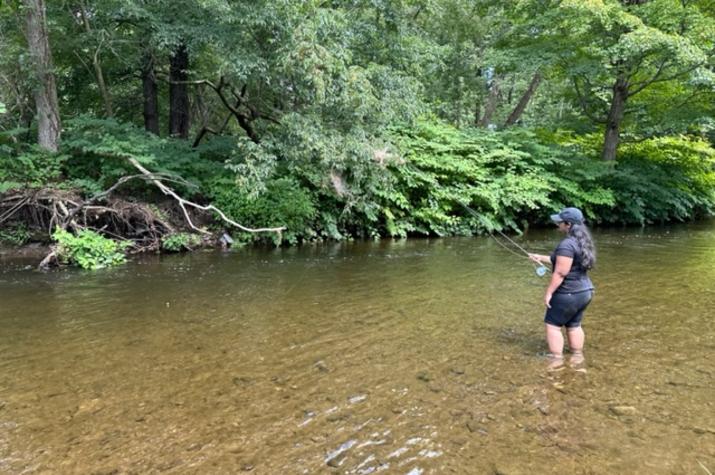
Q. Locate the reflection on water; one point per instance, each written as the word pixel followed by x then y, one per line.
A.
pixel 413 357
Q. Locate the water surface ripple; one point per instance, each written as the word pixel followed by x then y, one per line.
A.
pixel 412 356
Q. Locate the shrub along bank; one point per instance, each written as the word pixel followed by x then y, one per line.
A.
pixel 410 181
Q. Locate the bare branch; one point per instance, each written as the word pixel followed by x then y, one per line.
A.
pixel 183 203
pixel 584 106
pixel 657 78
pixel 244 120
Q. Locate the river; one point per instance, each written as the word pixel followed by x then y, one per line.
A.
pixel 418 356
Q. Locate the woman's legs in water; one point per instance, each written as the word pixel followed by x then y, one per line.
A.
pixel 576 338
pixel 555 340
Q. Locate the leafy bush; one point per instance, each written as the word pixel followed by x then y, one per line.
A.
pixel 180 242
pixel 655 180
pixel 88 249
pixel 512 178
pixel 663 179
pixel 96 149
pixel 342 171
pixel 284 203
pixel 28 167
pixel 326 181
pixel 507 177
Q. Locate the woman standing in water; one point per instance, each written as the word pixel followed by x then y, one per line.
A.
pixel 570 290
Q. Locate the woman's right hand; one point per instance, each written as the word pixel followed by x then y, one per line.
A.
pixel 536 258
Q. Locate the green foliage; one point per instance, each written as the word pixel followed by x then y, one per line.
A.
pixel 98 149
pixel 181 242
pixel 284 203
pixel 655 180
pixel 511 177
pixel 332 92
pixel 15 235
pixel 28 167
pixel 342 169
pixel 663 179
pixel 89 250
pixel 506 177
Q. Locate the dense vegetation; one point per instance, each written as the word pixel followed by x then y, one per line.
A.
pixel 341 119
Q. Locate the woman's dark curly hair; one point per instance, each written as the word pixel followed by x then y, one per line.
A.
pixel 585 242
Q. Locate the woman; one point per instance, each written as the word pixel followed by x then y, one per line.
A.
pixel 570 290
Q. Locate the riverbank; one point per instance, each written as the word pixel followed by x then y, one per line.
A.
pixel 163 195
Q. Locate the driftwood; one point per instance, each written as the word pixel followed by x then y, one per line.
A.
pixel 144 225
pixel 183 203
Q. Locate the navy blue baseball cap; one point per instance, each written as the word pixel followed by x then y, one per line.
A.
pixel 569 215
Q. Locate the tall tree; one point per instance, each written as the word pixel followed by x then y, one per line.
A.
pixel 45 91
pixel 524 100
pixel 620 49
pixel 84 14
pixel 150 93
pixel 179 118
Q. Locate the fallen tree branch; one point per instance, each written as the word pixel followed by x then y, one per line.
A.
pixel 49 258
pixel 183 203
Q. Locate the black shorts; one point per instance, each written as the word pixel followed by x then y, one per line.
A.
pixel 567 308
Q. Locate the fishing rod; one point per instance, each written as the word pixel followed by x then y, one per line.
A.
pixel 541 270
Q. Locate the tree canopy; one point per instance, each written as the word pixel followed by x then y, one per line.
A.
pixel 319 94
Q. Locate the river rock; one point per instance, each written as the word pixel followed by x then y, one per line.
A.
pixel 88 407
pixel 623 410
pixel 704 430
pixel 321 366
pixel 335 417
pixel 241 381
pixel 424 376
pixel 335 462
pixel 234 448
pixel 475 428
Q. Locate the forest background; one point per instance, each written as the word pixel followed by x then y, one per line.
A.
pixel 142 125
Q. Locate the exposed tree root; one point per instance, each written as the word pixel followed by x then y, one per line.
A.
pixel 143 224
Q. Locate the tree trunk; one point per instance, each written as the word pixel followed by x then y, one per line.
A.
pixel 615 117
pixel 178 93
pixel 103 90
pixel 524 101
pixel 491 105
pixel 45 92
pixel 151 94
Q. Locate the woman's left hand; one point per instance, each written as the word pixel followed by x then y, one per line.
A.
pixel 547 300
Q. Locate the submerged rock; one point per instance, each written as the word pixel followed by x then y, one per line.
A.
pixel 321 366
pixel 623 410
pixel 88 407
pixel 424 376
pixel 335 458
pixel 704 430
pixel 475 428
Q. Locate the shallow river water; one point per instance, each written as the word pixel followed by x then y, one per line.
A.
pixel 408 357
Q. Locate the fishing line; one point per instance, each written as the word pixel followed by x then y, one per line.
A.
pixel 540 270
